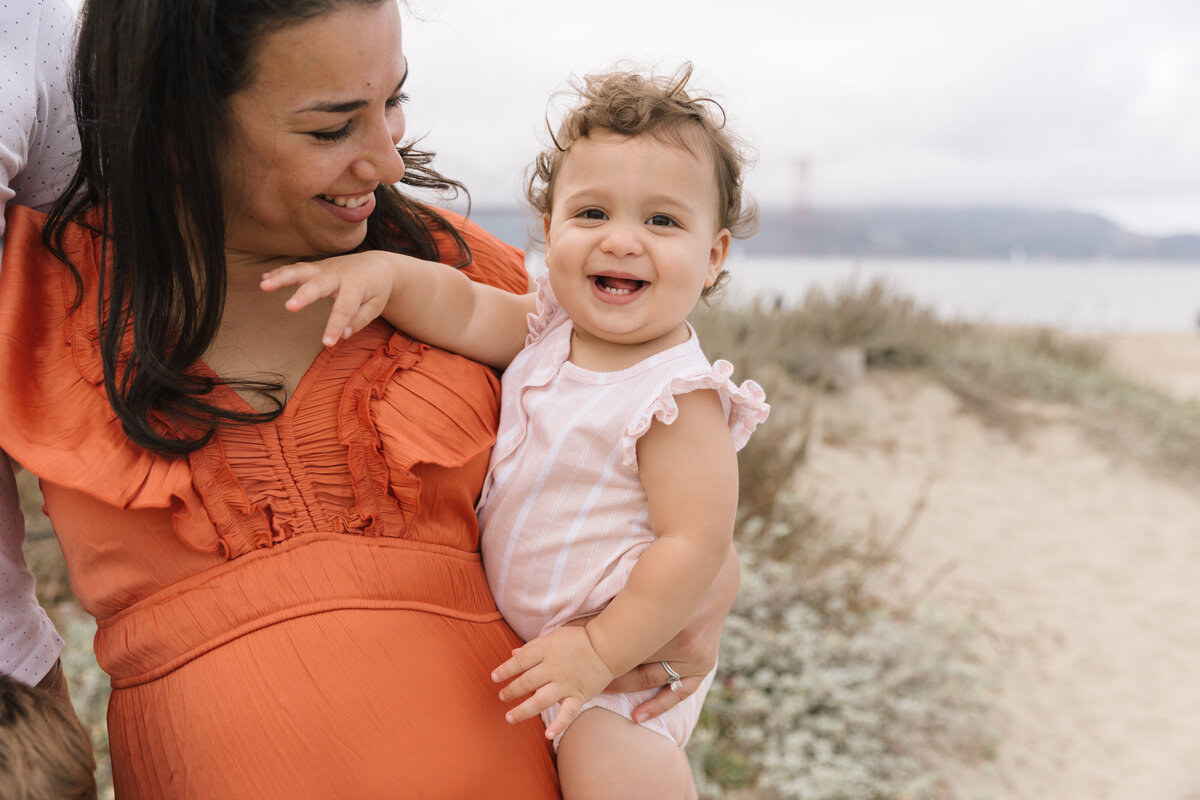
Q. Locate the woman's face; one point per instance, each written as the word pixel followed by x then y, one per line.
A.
pixel 315 133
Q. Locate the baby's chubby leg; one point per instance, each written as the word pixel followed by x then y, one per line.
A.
pixel 604 756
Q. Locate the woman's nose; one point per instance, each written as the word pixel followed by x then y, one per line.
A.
pixel 381 161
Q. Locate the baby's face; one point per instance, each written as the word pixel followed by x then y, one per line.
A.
pixel 633 237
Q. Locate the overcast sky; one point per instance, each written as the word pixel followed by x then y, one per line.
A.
pixel 1085 104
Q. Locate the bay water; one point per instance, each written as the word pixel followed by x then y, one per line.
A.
pixel 1083 296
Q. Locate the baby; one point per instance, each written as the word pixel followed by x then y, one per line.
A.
pixel 611 493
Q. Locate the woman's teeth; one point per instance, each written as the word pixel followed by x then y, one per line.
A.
pixel 345 202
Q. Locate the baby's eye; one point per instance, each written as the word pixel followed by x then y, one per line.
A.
pixel 661 220
pixel 593 213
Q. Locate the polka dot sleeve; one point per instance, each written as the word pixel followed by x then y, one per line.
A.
pixel 38 150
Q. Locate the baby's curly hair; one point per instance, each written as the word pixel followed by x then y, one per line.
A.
pixel 631 103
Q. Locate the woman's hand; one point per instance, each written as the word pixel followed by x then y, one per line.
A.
pixel 692 653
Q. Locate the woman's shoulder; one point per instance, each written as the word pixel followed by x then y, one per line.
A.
pixel 53 400
pixel 493 261
pixel 25 254
pixel 36 288
pixel 48 315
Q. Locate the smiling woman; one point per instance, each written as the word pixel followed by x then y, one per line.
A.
pixel 278 541
pixel 315 135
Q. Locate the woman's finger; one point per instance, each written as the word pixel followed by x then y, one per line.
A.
pixel 651 676
pixel 666 699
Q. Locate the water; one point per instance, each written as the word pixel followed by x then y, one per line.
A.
pixel 1084 296
pixel 1093 297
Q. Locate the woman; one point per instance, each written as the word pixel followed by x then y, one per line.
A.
pixel 277 540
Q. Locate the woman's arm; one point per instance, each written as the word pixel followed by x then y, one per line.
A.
pixel 689 471
pixel 429 301
pixel 692 653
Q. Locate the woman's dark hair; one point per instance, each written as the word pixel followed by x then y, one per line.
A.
pixel 152 81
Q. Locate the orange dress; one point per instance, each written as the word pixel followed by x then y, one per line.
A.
pixel 297 610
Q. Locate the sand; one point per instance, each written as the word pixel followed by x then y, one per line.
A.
pixel 1170 361
pixel 1082 574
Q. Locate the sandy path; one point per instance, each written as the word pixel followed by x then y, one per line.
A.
pixel 1170 361
pixel 1084 574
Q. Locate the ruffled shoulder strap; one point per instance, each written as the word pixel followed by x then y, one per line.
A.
pixel 493 261
pixel 58 421
pixel 745 406
pixel 547 313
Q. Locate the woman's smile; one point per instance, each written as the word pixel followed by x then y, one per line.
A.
pixel 349 208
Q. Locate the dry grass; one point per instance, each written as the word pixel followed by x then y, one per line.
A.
pixel 831 687
pixel 994 370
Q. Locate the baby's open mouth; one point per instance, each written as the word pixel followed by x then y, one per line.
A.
pixel 617 285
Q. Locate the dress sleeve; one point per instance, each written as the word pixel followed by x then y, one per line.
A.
pixel 745 407
pixel 493 261
pixel 59 425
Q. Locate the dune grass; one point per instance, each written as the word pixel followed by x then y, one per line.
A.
pixel 830 687
pixel 995 371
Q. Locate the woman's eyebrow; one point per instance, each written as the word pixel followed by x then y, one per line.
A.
pixel 330 107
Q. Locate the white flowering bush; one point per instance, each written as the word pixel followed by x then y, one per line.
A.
pixel 835 703
pixel 829 687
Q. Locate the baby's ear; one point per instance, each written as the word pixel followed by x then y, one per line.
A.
pixel 546 230
pixel 717 255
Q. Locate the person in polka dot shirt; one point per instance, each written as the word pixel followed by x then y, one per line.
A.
pixel 39 146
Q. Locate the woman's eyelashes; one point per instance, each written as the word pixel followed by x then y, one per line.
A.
pixel 342 133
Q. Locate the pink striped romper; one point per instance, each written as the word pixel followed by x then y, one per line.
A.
pixel 563 512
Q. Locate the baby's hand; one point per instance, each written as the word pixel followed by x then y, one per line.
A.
pixel 560 667
pixel 360 285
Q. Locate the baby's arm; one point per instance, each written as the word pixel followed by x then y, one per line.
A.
pixel 689 470
pixel 429 301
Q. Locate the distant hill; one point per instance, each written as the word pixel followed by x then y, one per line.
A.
pixel 982 232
